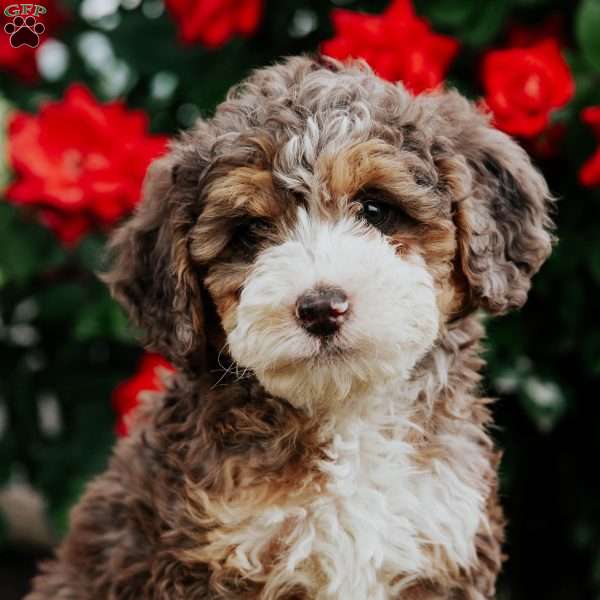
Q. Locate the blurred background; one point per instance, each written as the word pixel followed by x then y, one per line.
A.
pixel 82 114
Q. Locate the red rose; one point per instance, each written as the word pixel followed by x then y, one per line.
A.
pixel 524 85
pixel 589 175
pixel 214 22
pixel 397 44
pixel 21 61
pixel 149 377
pixel 81 163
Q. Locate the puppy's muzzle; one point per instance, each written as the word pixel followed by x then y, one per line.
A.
pixel 322 311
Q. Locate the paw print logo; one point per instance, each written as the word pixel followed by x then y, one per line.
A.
pixel 24 32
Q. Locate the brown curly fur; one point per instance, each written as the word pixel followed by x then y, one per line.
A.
pixel 140 529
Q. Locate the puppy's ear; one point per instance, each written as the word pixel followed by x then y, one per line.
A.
pixel 151 273
pixel 502 208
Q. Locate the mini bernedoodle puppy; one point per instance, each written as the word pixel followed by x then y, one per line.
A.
pixel 314 259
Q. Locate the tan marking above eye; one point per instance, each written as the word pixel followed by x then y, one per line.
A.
pixel 376 164
pixel 242 192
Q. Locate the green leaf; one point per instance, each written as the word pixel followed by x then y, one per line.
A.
pixel 474 23
pixel 59 509
pixel 62 301
pixel 19 256
pixel 90 323
pixel 90 252
pixel 120 326
pixel 588 30
pixel 102 319
pixel 486 23
pixel 531 3
pixel 26 248
pixel 450 13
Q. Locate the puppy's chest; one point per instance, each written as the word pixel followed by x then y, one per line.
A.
pixel 375 520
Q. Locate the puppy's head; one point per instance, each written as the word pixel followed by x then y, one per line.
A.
pixel 336 224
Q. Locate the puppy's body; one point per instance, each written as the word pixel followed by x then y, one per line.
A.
pixel 337 457
pixel 387 504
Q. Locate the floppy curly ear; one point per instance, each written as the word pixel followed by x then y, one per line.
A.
pixel 151 274
pixel 502 214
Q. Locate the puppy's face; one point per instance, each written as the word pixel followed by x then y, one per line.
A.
pixel 337 224
pixel 338 284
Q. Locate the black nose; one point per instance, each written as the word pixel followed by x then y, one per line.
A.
pixel 322 311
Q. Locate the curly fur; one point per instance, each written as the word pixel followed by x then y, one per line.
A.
pixel 276 467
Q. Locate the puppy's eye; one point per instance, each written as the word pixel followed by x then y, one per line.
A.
pixel 381 215
pixel 376 213
pixel 249 233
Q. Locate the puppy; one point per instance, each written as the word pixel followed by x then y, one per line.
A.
pixel 314 259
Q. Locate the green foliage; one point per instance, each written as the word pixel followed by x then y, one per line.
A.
pixel 64 344
pixel 588 28
pixel 474 22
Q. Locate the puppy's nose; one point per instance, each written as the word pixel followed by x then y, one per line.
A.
pixel 321 311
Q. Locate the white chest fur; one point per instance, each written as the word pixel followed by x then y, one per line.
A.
pixel 381 515
pixel 382 520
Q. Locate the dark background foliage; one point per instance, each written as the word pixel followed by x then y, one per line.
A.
pixel 64 344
